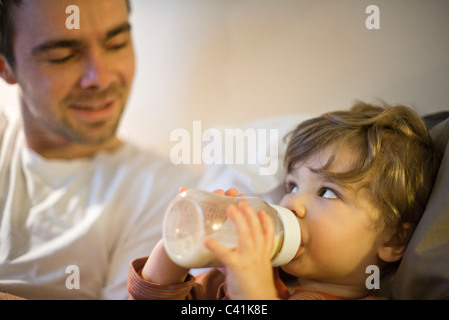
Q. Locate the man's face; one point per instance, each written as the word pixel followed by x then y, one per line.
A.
pixel 74 83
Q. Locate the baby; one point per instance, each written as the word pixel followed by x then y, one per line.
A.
pixel 358 182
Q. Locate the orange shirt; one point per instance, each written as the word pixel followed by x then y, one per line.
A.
pixel 206 286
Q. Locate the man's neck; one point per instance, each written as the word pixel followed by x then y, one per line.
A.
pixel 51 147
pixel 72 150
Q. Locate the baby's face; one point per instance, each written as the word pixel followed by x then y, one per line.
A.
pixel 338 223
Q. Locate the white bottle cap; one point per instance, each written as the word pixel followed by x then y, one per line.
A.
pixel 292 237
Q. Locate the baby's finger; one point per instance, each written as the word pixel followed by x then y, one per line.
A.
pixel 242 228
pixel 232 192
pixel 268 231
pixel 253 222
pixel 219 191
pixel 225 255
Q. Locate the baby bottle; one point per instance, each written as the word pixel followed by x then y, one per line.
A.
pixel 194 214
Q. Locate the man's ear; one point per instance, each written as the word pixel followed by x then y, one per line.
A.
pixel 6 71
pixel 393 249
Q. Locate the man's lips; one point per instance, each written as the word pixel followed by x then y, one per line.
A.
pixel 93 111
pixel 93 106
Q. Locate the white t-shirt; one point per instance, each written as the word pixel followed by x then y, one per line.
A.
pixel 69 229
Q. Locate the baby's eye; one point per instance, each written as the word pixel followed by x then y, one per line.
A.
pixel 292 188
pixel 328 194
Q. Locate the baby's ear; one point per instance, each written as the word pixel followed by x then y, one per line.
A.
pixel 393 249
pixel 6 71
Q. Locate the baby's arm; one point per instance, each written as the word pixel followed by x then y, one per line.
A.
pixel 160 269
pixel 203 287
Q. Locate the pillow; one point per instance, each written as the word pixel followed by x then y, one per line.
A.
pixel 252 177
pixel 424 270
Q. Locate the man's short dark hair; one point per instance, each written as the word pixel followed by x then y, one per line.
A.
pixel 7 30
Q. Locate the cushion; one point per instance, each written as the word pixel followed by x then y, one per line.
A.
pixel 424 270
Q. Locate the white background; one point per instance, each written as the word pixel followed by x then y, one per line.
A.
pixel 229 62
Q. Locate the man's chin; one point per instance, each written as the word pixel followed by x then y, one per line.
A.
pixel 95 135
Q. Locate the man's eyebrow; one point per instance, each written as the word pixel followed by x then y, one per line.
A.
pixel 125 27
pixel 55 44
pixel 72 43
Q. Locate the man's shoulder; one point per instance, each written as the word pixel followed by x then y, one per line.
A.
pixel 8 116
pixel 10 127
pixel 9 112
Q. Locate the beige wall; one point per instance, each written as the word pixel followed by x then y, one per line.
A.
pixel 227 62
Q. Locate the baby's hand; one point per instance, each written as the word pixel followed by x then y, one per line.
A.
pixel 248 267
pixel 231 192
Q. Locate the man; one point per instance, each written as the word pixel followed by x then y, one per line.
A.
pixel 77 204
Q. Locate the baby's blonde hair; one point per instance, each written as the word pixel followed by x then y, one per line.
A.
pixel 394 152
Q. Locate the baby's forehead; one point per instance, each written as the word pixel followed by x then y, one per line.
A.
pixel 333 158
pixel 343 166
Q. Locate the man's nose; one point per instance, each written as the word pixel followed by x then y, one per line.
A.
pixel 96 73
